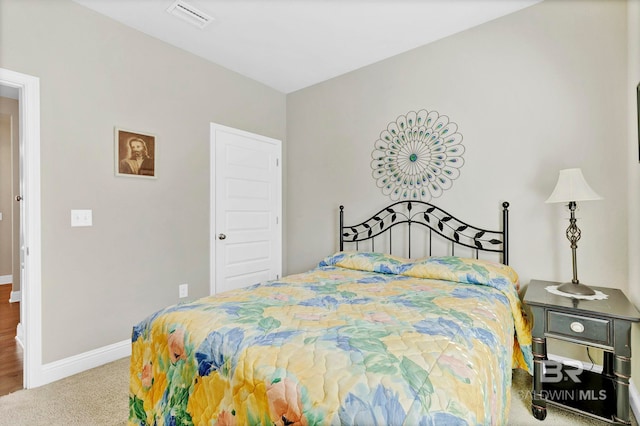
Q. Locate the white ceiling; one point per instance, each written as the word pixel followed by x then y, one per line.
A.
pixel 292 44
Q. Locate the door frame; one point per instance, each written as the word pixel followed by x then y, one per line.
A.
pixel 212 194
pixel 30 227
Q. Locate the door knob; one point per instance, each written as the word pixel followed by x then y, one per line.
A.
pixel 18 197
pixel 221 236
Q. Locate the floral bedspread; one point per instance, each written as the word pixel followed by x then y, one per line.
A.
pixel 363 339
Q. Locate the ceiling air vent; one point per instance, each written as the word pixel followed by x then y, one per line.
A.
pixel 190 14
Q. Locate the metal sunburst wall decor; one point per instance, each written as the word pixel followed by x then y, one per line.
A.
pixel 417 156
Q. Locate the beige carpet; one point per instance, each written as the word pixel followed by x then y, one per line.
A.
pixel 99 397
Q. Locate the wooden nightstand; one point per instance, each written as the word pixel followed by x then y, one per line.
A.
pixel 604 324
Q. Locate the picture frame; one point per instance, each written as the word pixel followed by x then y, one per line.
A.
pixel 135 154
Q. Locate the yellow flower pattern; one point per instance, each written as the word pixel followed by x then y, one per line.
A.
pixel 364 338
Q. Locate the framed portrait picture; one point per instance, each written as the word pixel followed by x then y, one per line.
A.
pixel 135 154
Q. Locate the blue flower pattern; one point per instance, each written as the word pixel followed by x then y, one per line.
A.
pixel 361 340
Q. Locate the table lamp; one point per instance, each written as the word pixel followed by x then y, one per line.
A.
pixel 571 188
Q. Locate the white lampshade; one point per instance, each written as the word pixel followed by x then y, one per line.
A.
pixel 571 186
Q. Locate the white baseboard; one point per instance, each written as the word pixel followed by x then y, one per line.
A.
pixel 15 296
pixel 78 363
pixel 6 279
pixel 20 335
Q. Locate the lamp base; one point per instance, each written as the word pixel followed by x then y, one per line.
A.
pixel 576 288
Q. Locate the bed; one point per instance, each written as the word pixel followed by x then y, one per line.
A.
pixel 365 338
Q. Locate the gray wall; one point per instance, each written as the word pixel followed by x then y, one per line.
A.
pixel 532 93
pixel 5 193
pixel 8 169
pixel 148 235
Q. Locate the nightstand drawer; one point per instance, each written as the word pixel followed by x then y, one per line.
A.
pixel 579 327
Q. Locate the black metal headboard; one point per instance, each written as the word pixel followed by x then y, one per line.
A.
pixel 436 220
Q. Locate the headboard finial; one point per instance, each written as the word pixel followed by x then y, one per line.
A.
pixel 505 232
pixel 341 236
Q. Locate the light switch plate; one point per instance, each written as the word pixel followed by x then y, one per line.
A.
pixel 183 290
pixel 81 218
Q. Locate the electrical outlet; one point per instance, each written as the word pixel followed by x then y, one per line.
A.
pixel 183 290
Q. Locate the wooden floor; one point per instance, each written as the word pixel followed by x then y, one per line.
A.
pixel 10 351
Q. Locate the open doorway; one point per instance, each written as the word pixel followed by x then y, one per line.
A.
pixel 28 200
pixel 11 352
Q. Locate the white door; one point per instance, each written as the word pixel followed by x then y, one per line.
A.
pixel 246 228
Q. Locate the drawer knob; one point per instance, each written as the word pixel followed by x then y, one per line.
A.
pixel 577 327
